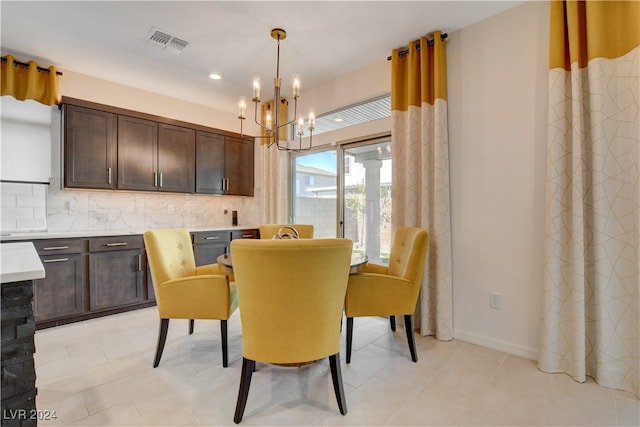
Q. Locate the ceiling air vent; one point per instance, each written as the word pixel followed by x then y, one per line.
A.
pixel 166 41
pixel 176 45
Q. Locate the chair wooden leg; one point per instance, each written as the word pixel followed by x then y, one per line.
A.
pixel 408 326
pixel 225 350
pixel 392 321
pixel 349 337
pixel 336 376
pixel 248 366
pixel 162 338
pixel 191 323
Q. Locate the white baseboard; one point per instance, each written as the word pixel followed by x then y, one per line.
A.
pixel 530 353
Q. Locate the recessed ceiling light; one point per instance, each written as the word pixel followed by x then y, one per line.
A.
pixel 337 119
pixel 215 76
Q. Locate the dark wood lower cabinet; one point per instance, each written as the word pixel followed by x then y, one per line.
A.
pixel 96 276
pixel 61 293
pixel 245 234
pixel 151 294
pixel 209 245
pixel 116 279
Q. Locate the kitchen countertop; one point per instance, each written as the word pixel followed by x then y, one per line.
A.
pixel 20 262
pixel 38 235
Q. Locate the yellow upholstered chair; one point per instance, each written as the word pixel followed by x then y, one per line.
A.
pixel 304 231
pixel 392 290
pixel 291 295
pixel 184 291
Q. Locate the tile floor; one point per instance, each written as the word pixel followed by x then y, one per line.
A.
pixel 98 373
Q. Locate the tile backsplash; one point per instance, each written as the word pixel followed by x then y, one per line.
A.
pixel 23 206
pixel 58 210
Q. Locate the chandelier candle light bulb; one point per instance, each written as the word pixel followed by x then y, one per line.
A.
pixel 242 106
pixel 268 120
pixel 312 121
pixel 256 89
pixel 295 91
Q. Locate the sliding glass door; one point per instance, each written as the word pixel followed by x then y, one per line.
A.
pixel 346 192
pixel 366 197
pixel 314 195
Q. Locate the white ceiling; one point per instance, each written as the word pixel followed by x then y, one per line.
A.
pixel 325 39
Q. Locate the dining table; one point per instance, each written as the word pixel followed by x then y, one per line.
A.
pixel 358 263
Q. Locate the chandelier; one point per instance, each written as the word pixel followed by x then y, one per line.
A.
pixel 272 120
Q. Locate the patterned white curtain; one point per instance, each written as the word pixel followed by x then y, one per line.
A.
pixel 420 150
pixel 275 172
pixel 591 302
pixel 275 192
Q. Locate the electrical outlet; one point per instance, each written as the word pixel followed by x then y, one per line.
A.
pixel 495 300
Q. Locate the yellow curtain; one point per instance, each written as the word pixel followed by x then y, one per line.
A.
pixel 419 76
pixel 24 82
pixel 420 175
pixel 591 313
pixel 584 30
pixel 268 106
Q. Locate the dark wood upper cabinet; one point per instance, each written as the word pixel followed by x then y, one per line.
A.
pixel 137 154
pixel 155 156
pixel 90 148
pixel 176 158
pixel 224 165
pixel 209 163
pixel 238 166
pixel 113 148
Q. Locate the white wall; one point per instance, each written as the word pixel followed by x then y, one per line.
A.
pixel 104 92
pixel 497 88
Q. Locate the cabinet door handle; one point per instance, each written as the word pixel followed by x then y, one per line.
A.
pixel 139 262
pixel 109 175
pixel 110 245
pixel 46 261
pixel 247 236
pixel 55 248
pixel 160 179
pixel 155 179
pixel 227 186
pixel 212 238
